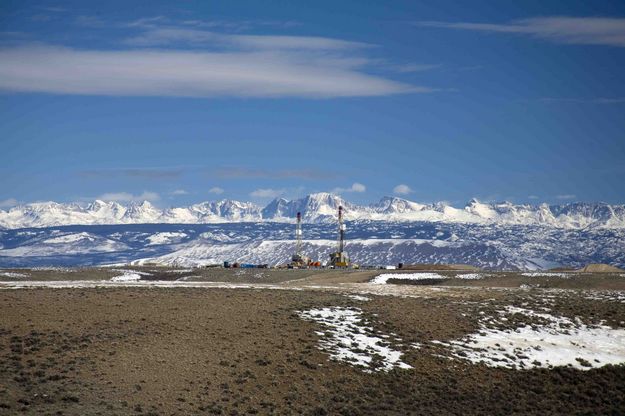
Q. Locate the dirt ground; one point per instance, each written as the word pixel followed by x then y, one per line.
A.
pixel 209 350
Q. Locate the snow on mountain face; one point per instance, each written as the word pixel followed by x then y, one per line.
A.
pixel 235 210
pixel 316 208
pixel 391 205
pixel 480 210
pixel 580 215
pixel 143 212
pixel 106 210
pixel 279 208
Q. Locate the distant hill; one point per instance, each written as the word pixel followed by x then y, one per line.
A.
pixel 600 268
pixel 465 267
pixel 501 247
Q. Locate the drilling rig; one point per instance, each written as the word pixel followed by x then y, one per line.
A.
pixel 340 257
pixel 298 260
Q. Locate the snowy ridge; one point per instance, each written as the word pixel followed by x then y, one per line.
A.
pixel 315 208
pixel 493 247
pixel 365 252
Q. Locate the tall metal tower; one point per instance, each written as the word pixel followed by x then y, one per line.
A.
pixel 298 235
pixel 341 231
pixel 299 260
pixel 340 257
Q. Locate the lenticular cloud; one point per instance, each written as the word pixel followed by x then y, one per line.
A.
pixel 260 73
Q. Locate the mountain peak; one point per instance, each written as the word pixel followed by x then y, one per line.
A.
pixel 316 207
pixel 323 197
pixel 396 205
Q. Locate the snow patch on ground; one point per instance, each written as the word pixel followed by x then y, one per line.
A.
pixel 185 278
pixel 559 341
pixel 126 277
pixel 165 238
pixel 223 237
pixel 54 269
pixel 607 296
pixel 70 238
pixel 92 284
pixel 358 298
pixel 547 274
pixel 13 275
pixel 470 276
pixel 382 279
pixel 129 271
pixel 351 340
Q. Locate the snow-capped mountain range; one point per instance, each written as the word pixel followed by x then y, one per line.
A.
pixel 315 208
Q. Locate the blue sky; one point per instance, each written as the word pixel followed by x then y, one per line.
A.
pixel 181 102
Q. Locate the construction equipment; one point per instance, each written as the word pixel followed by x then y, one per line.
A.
pixel 299 260
pixel 340 257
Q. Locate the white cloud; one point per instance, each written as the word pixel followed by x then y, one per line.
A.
pixel 566 196
pixel 289 70
pixel 532 197
pixel 147 21
pixel 162 22
pixel 402 189
pixel 591 100
pixel 8 203
pixel 216 190
pixel 179 192
pixel 356 187
pixel 406 68
pixel 267 193
pixel 90 21
pixel 561 29
pixel 128 197
pixel 174 35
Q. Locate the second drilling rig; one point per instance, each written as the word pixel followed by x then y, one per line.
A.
pixel 299 260
pixel 340 257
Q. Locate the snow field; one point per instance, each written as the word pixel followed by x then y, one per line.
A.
pixel 607 296
pixel 126 277
pixel 128 271
pixel 470 276
pixel 165 238
pixel 348 338
pixel 70 238
pixel 383 278
pixel 560 341
pixel 358 298
pixel 13 275
pixel 547 274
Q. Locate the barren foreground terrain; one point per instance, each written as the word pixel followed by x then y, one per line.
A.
pixel 309 342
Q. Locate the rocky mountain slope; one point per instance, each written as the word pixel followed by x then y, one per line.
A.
pixel 315 208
